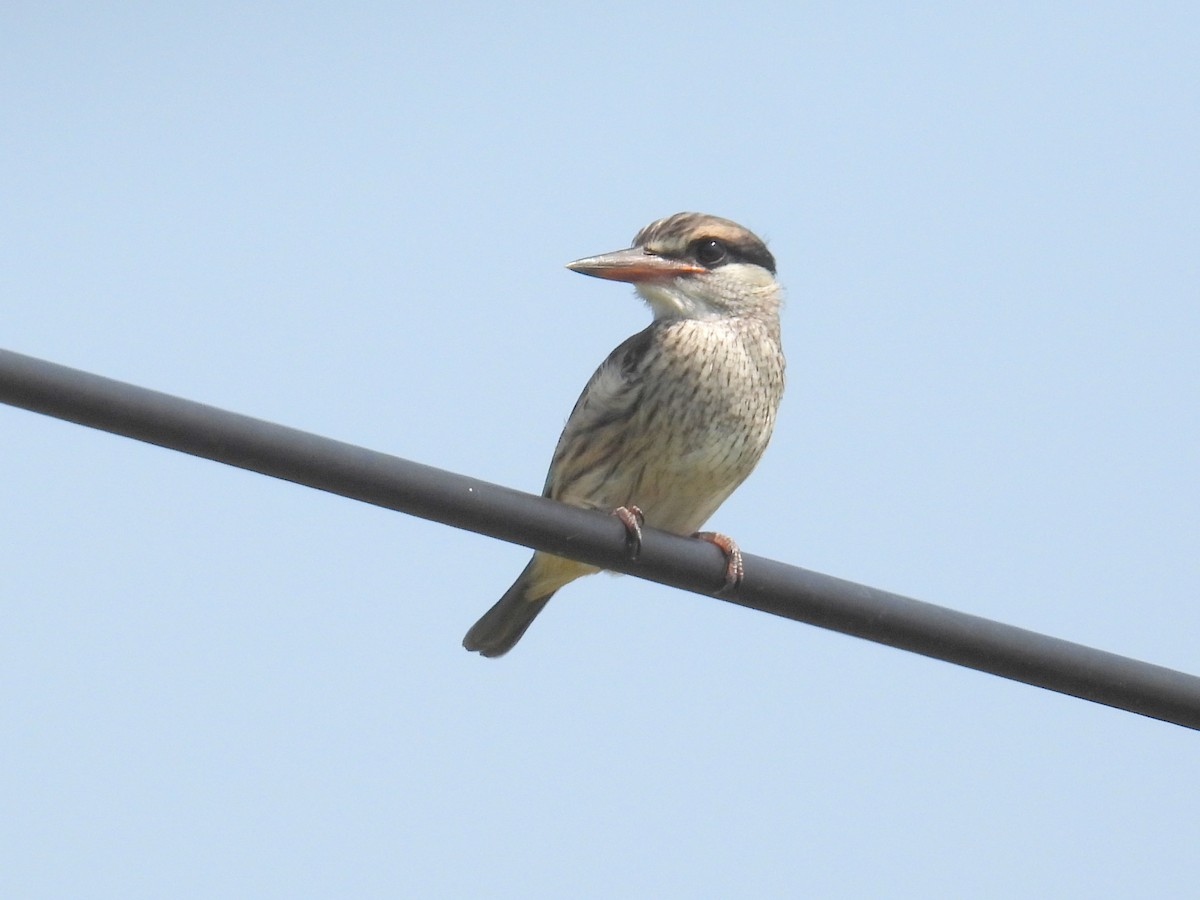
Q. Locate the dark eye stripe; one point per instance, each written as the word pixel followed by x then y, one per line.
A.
pixel 712 252
pixel 754 251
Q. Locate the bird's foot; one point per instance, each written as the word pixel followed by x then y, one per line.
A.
pixel 735 570
pixel 633 519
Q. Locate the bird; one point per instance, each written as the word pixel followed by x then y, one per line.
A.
pixel 677 416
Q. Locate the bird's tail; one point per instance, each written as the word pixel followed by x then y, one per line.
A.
pixel 502 625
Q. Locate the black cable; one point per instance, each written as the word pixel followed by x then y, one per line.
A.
pixel 597 538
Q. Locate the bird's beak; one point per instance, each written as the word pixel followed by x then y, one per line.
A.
pixel 636 265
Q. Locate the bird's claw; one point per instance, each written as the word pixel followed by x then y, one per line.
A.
pixel 735 569
pixel 633 519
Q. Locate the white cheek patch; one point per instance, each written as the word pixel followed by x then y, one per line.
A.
pixel 666 300
pixel 750 275
pixel 721 292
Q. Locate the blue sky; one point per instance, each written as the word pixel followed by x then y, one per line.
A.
pixel 353 220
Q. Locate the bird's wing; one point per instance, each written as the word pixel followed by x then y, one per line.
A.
pixel 610 398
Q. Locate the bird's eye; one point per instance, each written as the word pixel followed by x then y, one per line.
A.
pixel 709 251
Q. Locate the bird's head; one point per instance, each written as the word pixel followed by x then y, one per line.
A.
pixel 693 265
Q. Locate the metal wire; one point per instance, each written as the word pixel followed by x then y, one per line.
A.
pixel 596 538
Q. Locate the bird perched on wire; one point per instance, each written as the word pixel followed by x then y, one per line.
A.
pixel 678 415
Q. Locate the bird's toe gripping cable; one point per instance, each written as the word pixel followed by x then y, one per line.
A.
pixel 633 519
pixel 735 569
